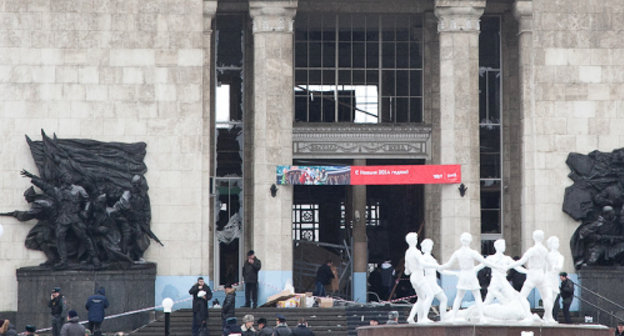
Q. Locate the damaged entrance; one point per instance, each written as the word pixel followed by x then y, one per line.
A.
pixel 325 217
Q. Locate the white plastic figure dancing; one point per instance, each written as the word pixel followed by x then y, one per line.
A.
pixel 510 304
pixel 467 276
pixel 430 277
pixel 414 267
pixel 555 259
pixel 538 265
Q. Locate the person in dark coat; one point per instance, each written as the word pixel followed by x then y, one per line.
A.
pixel 250 276
pixel 619 330
pixel 324 276
pixel 387 279
pixel 263 328
pixel 566 293
pixel 282 329
pixel 96 306
pixel 516 278
pixel 57 307
pixel 227 310
pixel 201 294
pixel 231 327
pixel 29 330
pixel 73 326
pixel 302 328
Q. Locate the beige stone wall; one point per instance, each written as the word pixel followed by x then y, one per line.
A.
pixel 110 70
pixel 577 103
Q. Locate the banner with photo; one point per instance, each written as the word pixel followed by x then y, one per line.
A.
pixel 368 175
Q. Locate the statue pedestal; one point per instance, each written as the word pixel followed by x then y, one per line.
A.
pixel 448 329
pixel 607 281
pixel 126 290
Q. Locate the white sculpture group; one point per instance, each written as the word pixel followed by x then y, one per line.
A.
pixel 502 302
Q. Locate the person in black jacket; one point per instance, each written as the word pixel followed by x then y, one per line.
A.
pixel 57 306
pixel 201 294
pixel 281 328
pixel 324 276
pixel 566 292
pixel 250 276
pixel 619 330
pixel 263 329
pixel 302 329
pixel 227 310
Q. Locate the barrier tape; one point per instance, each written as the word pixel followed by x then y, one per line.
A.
pixel 271 286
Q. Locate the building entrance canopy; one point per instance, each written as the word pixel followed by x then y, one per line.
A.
pixel 368 175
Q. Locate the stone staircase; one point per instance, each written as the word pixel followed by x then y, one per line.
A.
pixel 338 321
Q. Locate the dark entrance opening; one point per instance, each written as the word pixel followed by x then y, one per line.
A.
pixel 322 221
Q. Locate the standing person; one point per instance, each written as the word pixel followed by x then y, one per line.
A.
pixel 247 326
pixel 73 326
pixel 201 294
pixel 566 293
pixel 281 328
pixel 227 310
pixel 324 276
pixel 250 276
pixel 387 279
pixel 263 328
pixel 302 328
pixel 95 305
pixel 619 330
pixel 57 307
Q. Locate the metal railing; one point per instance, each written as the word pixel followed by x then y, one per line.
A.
pixel 599 309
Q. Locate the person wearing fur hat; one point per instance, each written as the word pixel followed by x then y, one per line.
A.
pixel 201 294
pixel 247 326
pixel 229 303
pixel 73 326
pixel 250 276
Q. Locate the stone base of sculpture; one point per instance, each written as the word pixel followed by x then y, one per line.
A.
pixel 607 281
pixel 126 290
pixel 448 329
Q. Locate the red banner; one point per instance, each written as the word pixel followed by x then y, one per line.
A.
pixel 420 174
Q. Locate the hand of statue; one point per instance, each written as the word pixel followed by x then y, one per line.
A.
pixel 26 173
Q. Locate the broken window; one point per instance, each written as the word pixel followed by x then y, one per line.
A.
pixel 358 68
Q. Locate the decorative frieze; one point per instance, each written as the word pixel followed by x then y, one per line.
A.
pixel 361 141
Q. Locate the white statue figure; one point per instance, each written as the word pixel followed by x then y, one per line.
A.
pixel 502 301
pixel 538 265
pixel 430 277
pixel 465 257
pixel 414 267
pixel 555 259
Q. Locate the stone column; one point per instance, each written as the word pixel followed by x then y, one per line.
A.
pixel 273 94
pixel 209 10
pixel 360 240
pixel 523 12
pixel 458 26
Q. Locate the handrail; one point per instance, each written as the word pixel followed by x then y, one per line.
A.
pixel 617 318
pixel 598 295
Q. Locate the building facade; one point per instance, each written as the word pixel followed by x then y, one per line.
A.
pixel 223 91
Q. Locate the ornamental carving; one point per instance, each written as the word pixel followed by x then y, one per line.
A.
pixel 361 141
